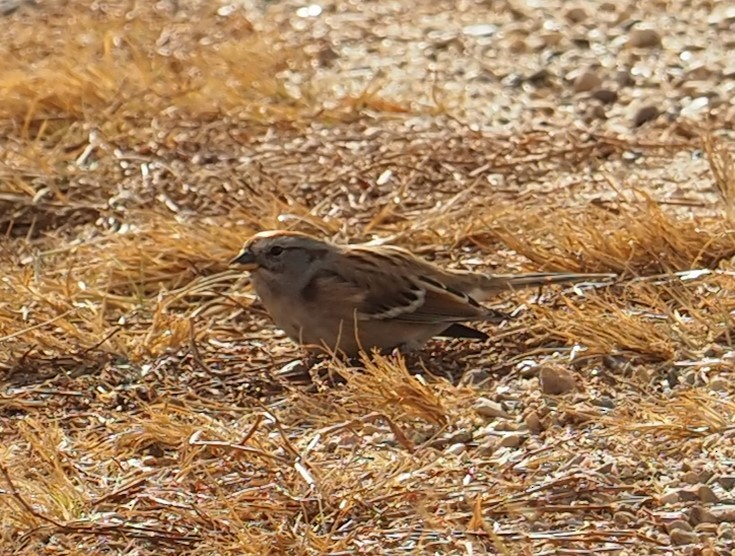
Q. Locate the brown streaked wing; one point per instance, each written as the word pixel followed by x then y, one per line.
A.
pixel 371 296
pixel 326 287
pixel 445 304
pixel 392 295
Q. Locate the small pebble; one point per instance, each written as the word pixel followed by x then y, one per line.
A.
pixel 603 401
pixel 679 537
pixel 699 514
pixel 606 468
pixel 457 437
pixel 605 96
pixel 506 426
pixel 480 30
pixel 556 380
pixel 518 45
pixel 695 107
pixel 587 81
pixel 726 481
pixel 706 494
pixel 690 377
pixel 533 422
pixel 678 524
pixel 576 15
pixel 669 498
pixel 552 39
pixel 689 494
pixel 624 79
pixel 623 518
pixel 490 408
pixel 698 89
pixel 724 15
pixel 488 447
pixel 456 449
pixel 644 38
pixel 645 114
pixel 512 440
pixel 540 78
pixel 709 529
pixel 700 73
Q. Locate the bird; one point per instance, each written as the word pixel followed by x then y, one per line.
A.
pixel 351 298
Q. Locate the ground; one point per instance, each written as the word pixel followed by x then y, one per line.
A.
pixel 147 404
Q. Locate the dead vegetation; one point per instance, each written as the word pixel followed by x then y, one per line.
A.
pixel 147 404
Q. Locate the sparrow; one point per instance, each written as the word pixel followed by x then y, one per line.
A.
pixel 348 298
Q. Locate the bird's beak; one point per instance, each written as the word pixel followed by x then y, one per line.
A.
pixel 245 259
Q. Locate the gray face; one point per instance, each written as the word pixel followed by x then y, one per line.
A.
pixel 280 261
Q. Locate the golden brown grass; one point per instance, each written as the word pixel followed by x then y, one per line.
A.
pixel 144 403
pixel 128 64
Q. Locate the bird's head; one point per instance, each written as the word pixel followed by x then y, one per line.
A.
pixel 280 252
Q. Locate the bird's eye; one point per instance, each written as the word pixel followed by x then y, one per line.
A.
pixel 275 250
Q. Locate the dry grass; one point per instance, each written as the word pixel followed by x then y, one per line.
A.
pixel 124 65
pixel 147 405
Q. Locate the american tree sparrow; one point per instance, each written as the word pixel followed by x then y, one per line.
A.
pixel 352 297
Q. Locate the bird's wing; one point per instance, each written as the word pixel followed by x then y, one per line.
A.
pixel 435 302
pixel 394 297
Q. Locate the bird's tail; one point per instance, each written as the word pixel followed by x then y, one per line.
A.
pixel 496 283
